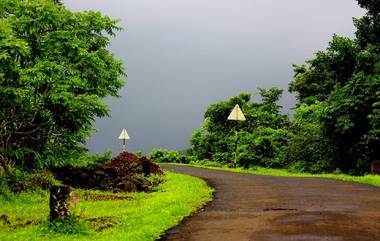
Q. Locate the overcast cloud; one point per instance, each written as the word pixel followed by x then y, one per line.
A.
pixel 181 56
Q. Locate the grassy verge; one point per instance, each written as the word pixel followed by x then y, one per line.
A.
pixel 109 216
pixel 368 179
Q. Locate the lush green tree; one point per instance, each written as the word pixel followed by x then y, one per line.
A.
pixel 307 149
pixel 329 69
pixel 261 136
pixel 368 27
pixel 55 70
pixel 350 123
pixel 345 78
pixel 264 147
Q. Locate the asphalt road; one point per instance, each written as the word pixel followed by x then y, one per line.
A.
pixel 266 208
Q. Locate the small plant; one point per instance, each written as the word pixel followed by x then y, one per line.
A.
pixel 5 190
pixel 139 154
pixel 66 225
pixel 62 218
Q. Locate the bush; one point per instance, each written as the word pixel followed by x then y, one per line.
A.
pixel 207 163
pixel 246 158
pixel 4 187
pixel 307 149
pixel 297 166
pixel 223 157
pixel 89 160
pixel 187 159
pixel 169 156
pixel 17 180
pixel 166 156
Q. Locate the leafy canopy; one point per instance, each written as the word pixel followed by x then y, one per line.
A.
pixel 260 136
pixel 346 78
pixel 55 70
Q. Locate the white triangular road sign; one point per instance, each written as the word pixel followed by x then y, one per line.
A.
pixel 124 135
pixel 236 114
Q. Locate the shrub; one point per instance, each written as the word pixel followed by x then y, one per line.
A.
pixel 297 166
pixel 207 163
pixel 187 159
pixel 17 180
pixel 166 156
pixel 223 157
pixel 66 225
pixel 4 187
pixel 89 160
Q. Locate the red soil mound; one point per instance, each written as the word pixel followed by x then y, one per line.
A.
pixel 127 162
pixel 124 173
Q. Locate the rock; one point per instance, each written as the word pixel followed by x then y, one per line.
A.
pixel 126 186
pixel 83 175
pixel 100 172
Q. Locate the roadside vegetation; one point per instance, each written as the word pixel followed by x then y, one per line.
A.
pixel 106 215
pixel 55 71
pixel 336 126
pixel 373 180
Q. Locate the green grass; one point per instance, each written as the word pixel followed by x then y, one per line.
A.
pixel 373 180
pixel 143 216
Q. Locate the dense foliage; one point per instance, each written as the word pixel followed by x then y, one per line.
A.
pixel 346 79
pixel 169 156
pixel 261 137
pixel 55 70
pixel 337 120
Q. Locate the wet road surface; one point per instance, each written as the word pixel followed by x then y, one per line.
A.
pixel 266 208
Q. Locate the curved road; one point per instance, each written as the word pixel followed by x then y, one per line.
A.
pixel 265 208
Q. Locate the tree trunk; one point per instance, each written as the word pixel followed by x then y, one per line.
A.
pixel 375 168
pixel 59 201
pixel 146 167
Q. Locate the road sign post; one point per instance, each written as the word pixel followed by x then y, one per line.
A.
pixel 236 115
pixel 124 136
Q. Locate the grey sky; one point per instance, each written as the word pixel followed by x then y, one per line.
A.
pixel 182 56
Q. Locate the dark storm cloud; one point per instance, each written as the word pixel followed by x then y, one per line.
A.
pixel 182 56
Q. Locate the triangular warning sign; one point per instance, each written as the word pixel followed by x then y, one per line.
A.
pixel 236 114
pixel 124 135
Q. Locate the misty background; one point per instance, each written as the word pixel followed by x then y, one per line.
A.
pixel 181 56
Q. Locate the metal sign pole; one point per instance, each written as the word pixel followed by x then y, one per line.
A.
pixel 236 146
pixel 236 115
pixel 124 136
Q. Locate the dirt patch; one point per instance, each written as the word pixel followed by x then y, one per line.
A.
pixel 102 197
pixel 99 224
pixel 5 220
pixel 263 208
